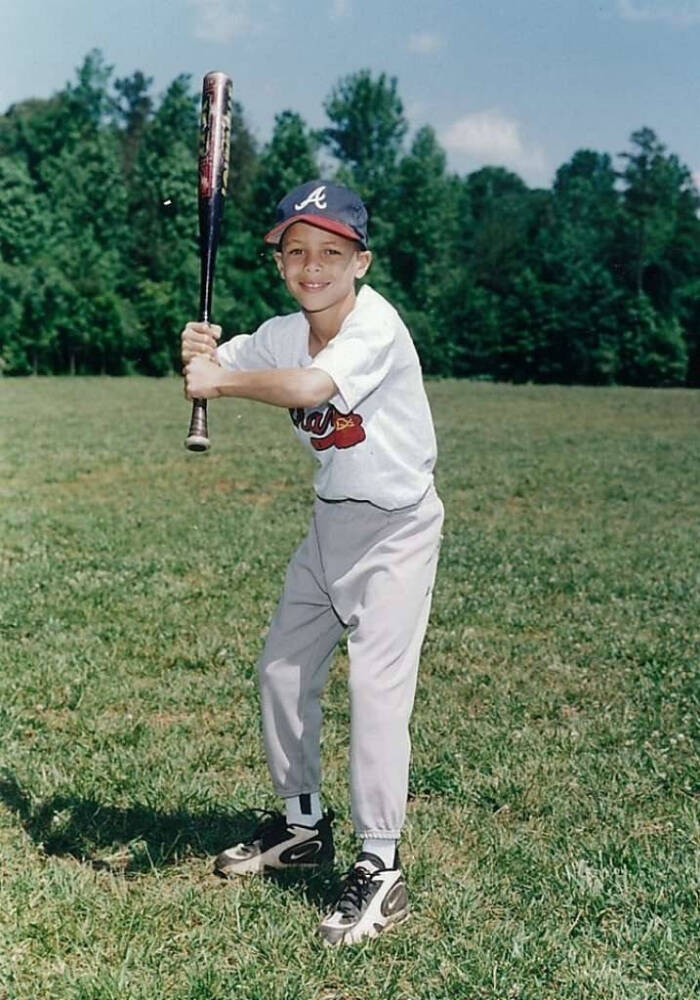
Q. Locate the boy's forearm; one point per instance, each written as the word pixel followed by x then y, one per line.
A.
pixel 287 387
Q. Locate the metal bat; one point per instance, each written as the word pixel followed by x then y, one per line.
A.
pixel 214 144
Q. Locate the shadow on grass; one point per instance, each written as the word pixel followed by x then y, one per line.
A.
pixel 138 839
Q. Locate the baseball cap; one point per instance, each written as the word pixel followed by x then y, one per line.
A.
pixel 323 204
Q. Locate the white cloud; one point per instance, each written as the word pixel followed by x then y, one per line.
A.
pixel 492 138
pixel 425 42
pixel 221 20
pixel 340 8
pixel 677 12
pixel 696 179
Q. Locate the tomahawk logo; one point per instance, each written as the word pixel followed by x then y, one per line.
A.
pixel 328 428
pixel 317 197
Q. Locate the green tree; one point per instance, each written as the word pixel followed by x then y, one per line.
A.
pixel 35 130
pixel 652 348
pixel 367 129
pixel 659 201
pixel 495 213
pixel 88 99
pixel 584 188
pixel 24 224
pixel 288 159
pixel 366 137
pixel 162 241
pixel 594 281
pixel 498 218
pixel 583 324
pixel 575 250
pixel 237 305
pixel 474 326
pixel 529 324
pixel 132 109
pixel 23 213
pixel 90 230
pixel 422 254
pixel 425 217
pixel 687 310
pixel 74 318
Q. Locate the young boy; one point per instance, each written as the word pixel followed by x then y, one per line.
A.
pixel 347 370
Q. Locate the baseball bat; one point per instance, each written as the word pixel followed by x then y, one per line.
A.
pixel 214 144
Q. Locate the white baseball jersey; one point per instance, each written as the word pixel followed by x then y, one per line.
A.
pixel 374 440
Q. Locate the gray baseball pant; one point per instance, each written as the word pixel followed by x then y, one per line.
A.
pixel 368 571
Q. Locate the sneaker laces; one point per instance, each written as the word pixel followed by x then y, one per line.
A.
pixel 269 828
pixel 357 888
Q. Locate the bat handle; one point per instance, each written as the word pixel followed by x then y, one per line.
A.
pixel 198 434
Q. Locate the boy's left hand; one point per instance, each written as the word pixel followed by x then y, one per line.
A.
pixel 203 378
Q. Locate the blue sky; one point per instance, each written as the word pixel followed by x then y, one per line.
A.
pixel 522 83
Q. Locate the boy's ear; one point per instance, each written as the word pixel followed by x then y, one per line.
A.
pixel 280 264
pixel 364 259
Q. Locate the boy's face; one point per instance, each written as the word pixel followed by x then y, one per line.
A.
pixel 319 268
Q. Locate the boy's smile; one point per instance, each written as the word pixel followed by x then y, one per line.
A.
pixel 319 269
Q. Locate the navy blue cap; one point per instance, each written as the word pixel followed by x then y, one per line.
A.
pixel 323 204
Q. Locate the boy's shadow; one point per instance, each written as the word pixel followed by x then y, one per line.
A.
pixel 138 839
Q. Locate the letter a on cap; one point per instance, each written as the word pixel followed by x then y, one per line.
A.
pixel 317 197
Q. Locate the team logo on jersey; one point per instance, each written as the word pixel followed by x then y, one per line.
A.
pixel 317 198
pixel 329 428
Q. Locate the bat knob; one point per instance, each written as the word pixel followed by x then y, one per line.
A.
pixel 195 442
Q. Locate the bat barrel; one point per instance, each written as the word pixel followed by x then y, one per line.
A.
pixel 210 214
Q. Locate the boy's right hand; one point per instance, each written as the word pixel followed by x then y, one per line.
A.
pixel 199 338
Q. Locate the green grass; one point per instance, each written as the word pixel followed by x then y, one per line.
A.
pixel 552 837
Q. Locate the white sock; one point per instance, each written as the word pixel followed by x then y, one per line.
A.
pixel 384 849
pixel 303 810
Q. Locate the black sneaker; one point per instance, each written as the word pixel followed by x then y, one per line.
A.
pixel 274 844
pixel 373 899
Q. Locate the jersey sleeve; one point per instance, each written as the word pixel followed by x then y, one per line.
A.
pixel 248 351
pixel 357 364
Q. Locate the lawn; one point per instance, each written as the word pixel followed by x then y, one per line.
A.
pixel 551 847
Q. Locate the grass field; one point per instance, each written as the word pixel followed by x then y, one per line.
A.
pixel 552 839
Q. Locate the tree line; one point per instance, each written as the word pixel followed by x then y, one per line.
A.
pixel 595 280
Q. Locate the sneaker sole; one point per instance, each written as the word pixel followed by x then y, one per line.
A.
pixel 370 933
pixel 254 866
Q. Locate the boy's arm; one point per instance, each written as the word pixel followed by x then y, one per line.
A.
pixel 287 387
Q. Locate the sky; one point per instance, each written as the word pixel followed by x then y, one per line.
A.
pixel 517 83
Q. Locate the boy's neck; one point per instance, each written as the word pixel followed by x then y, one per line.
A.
pixel 325 324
